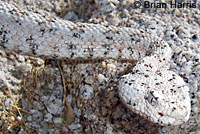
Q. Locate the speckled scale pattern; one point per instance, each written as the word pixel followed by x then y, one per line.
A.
pixel 151 89
pixel 155 92
pixel 36 35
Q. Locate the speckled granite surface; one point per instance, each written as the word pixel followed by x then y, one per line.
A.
pixel 35 85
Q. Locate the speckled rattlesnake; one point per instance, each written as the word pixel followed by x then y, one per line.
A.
pixel 150 90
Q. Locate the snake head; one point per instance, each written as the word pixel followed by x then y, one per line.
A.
pixel 156 93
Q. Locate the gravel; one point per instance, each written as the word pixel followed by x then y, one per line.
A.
pixel 35 85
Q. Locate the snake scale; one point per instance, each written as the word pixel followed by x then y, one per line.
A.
pixel 150 90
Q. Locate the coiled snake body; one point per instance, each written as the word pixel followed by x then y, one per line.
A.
pixel 151 89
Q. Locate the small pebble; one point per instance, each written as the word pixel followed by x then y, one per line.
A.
pixel 57 120
pixel 101 78
pixel 74 126
pixel 48 117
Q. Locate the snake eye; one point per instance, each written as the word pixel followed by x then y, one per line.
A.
pixel 151 99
